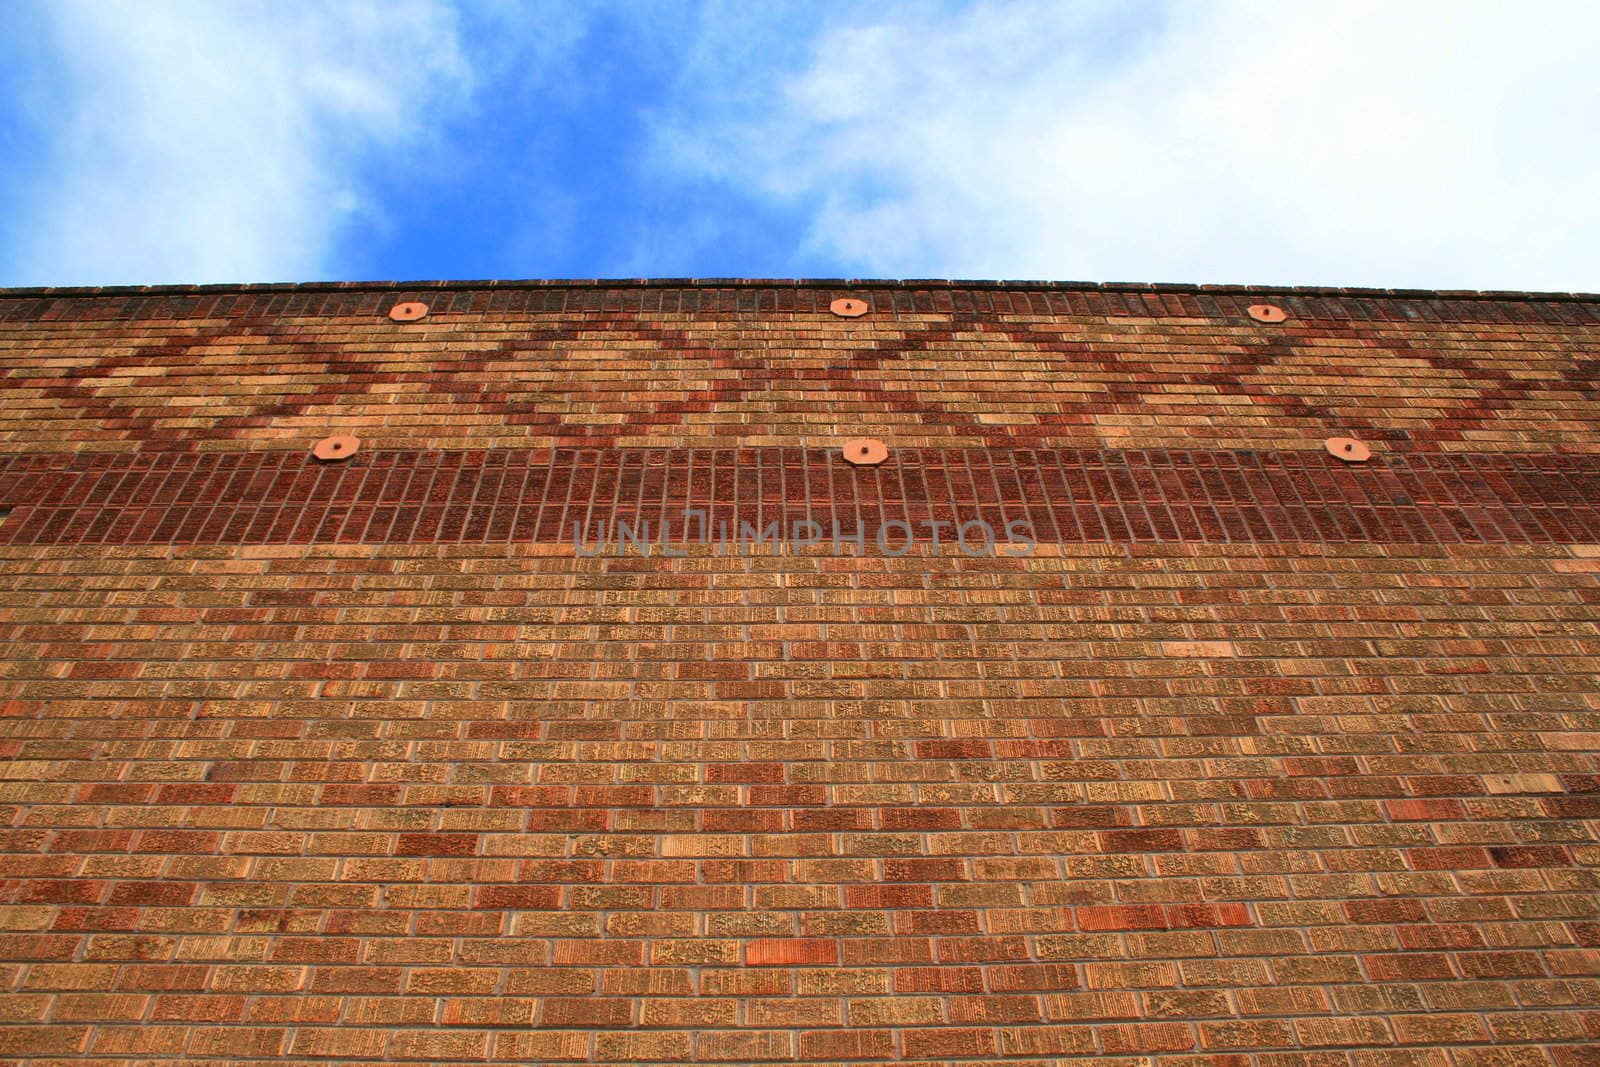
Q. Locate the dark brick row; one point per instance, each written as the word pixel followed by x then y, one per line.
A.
pixel 541 495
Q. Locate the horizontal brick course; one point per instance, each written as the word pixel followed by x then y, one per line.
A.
pixel 758 496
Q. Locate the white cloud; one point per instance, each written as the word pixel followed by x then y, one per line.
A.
pixel 195 142
pixel 1436 145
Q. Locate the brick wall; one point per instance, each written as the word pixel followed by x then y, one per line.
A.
pixel 1257 757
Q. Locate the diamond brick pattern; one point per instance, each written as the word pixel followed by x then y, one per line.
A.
pixel 667 368
pixel 1258 758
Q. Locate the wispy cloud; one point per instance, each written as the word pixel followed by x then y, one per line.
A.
pixel 1419 144
pixel 193 142
pixel 1427 144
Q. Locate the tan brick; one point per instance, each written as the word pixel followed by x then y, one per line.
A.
pixel 1522 783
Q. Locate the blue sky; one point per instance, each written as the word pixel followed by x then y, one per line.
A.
pixel 1429 145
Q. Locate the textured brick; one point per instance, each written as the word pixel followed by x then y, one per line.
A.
pixel 1257 758
pixel 577 496
pixel 786 951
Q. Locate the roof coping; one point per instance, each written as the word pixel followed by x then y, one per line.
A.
pixel 797 283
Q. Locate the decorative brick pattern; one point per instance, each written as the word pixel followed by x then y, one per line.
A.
pixel 708 495
pixel 1258 759
pixel 656 366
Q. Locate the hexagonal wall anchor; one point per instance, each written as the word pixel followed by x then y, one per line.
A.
pixel 865 452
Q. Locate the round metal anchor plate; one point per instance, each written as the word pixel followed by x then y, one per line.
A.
pixel 1348 449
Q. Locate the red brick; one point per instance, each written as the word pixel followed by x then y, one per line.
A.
pixel 888 896
pixel 790 951
pixel 1121 917
pixel 1141 841
pixel 1184 916
pixel 436 845
pixel 967 748
pixel 1434 810
pixel 1531 856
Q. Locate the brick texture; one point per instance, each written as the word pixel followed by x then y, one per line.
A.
pixel 1256 758
pixel 711 495
pixel 665 366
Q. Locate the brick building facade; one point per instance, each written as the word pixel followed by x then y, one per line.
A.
pixel 1250 754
